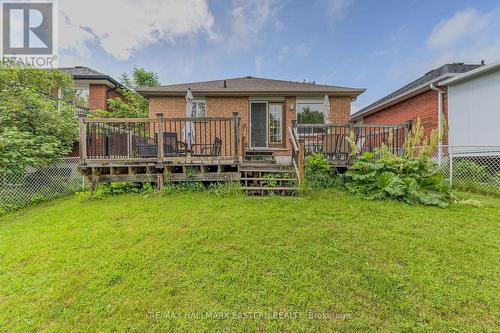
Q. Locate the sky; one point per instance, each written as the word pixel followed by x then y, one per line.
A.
pixel 377 45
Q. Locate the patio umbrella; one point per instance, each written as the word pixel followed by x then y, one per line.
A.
pixel 326 111
pixel 189 125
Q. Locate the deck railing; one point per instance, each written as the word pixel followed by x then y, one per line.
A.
pixel 332 140
pixel 158 139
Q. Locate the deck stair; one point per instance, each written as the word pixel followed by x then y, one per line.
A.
pixel 259 156
pixel 266 177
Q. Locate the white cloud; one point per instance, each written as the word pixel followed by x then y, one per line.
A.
pixel 248 18
pixel 464 23
pixel 298 51
pixel 122 27
pixel 337 8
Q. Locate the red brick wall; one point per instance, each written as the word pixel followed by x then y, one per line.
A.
pixel 424 105
pixel 340 108
pixel 98 95
pixel 175 107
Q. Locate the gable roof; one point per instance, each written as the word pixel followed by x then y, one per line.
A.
pixel 416 87
pixel 87 73
pixel 472 74
pixel 249 85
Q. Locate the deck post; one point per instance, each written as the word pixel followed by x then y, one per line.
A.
pixel 83 140
pixel 159 118
pixel 129 143
pixel 301 160
pixel 236 125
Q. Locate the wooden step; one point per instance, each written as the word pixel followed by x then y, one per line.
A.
pixel 263 188
pixel 276 179
pixel 264 166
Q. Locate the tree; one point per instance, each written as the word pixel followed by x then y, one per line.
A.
pixel 140 78
pixel 307 116
pixel 133 105
pixel 35 127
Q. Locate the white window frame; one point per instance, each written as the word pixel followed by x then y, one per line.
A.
pixel 196 102
pixel 269 122
pixel 308 100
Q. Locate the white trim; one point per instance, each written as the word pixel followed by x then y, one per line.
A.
pixel 281 122
pixel 310 100
pixel 197 101
pixel 268 98
pixel 250 123
pixel 399 98
pixel 471 74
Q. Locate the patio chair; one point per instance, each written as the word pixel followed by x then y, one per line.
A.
pixel 170 144
pixel 329 146
pixel 343 151
pixel 144 148
pixel 209 150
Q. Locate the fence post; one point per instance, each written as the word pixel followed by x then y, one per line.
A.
pixel 83 140
pixel 300 160
pixel 450 156
pixel 159 141
pixel 236 125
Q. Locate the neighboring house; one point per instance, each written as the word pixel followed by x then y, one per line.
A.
pixel 267 108
pixel 91 88
pixel 419 98
pixel 474 106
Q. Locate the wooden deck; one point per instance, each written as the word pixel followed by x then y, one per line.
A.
pixel 211 149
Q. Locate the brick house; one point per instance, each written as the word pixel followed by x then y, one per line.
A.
pixel 267 108
pixel 90 91
pixel 91 88
pixel 423 98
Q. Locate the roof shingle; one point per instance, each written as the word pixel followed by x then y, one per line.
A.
pixel 427 78
pixel 248 84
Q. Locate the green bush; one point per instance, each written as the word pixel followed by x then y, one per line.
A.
pixel 320 174
pixel 414 181
pixel 317 166
pixel 113 189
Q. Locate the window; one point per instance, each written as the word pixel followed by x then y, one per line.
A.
pixel 275 122
pixel 198 110
pixel 310 113
pixel 78 96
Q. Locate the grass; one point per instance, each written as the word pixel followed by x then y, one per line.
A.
pixel 262 264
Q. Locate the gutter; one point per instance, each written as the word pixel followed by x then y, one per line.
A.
pixel 159 93
pixel 399 98
pixel 440 121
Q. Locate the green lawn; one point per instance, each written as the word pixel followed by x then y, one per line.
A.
pixel 354 265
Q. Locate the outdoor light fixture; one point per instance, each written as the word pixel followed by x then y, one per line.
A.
pixel 291 106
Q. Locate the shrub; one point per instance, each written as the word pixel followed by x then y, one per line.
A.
pixel 113 189
pixel 317 166
pixel 320 174
pixel 414 181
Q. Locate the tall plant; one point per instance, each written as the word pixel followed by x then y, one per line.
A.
pixel 414 178
pixel 133 105
pixel 35 127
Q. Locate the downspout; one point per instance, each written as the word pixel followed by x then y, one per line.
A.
pixel 440 121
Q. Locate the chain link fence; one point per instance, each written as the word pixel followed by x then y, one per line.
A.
pixel 471 168
pixel 39 184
